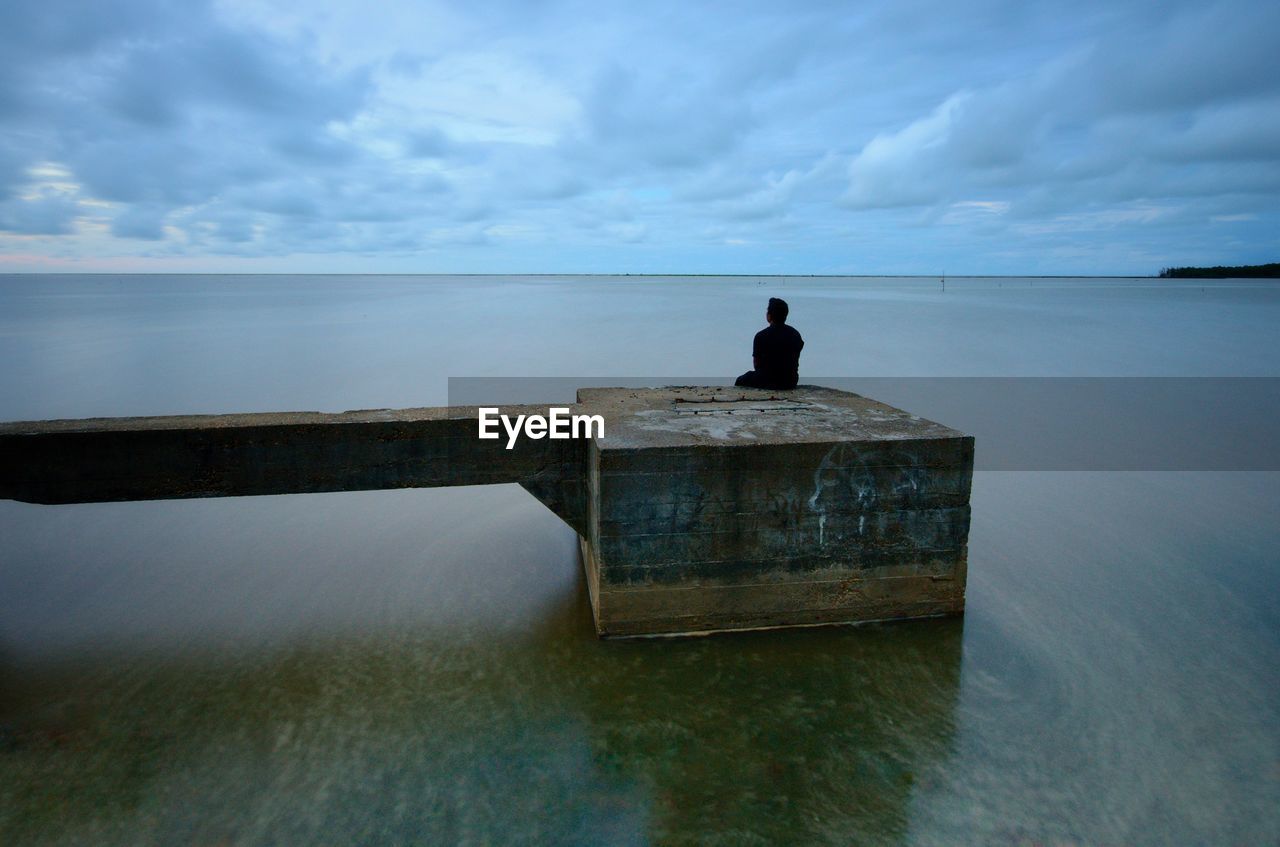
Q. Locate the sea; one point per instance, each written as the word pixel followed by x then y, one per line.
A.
pixel 419 666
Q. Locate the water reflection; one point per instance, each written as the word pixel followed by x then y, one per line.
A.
pixel 478 735
pixel 804 736
pixel 262 571
pixel 383 667
pixel 390 667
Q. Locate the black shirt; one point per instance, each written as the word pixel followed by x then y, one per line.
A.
pixel 777 356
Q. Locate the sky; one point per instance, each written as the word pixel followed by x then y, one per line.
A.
pixel 539 136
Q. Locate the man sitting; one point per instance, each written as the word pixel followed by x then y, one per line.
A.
pixel 775 354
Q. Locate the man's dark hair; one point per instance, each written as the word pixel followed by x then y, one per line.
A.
pixel 778 310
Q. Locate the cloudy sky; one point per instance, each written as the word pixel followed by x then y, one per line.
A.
pixel 698 137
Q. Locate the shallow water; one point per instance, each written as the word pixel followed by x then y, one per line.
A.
pixel 419 666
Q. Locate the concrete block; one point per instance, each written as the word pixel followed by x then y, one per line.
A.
pixel 700 509
pixel 715 509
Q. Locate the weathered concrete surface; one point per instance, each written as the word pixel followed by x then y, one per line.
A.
pixel 714 508
pixel 157 458
pixel 700 509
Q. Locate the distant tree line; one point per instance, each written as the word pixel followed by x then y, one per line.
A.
pixel 1219 272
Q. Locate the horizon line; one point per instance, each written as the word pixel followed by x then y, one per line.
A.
pixel 587 273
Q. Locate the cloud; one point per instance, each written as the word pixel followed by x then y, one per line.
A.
pixel 1188 56
pixel 138 221
pixel 44 214
pixel 1194 116
pixel 157 111
pixel 847 134
pixel 898 168
pixel 664 119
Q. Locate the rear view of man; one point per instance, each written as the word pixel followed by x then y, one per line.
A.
pixel 775 354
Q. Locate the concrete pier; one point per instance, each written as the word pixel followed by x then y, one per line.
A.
pixel 699 509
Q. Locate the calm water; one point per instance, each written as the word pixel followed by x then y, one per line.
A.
pixel 419 666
